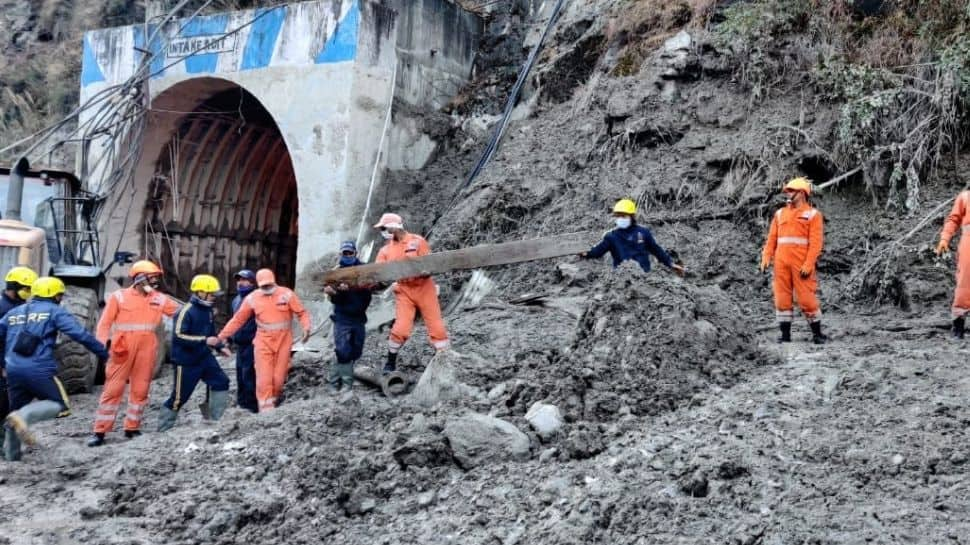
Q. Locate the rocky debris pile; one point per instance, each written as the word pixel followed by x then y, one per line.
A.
pixel 648 343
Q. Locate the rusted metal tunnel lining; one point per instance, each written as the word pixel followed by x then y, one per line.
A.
pixel 223 195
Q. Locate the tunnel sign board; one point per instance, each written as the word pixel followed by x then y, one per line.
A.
pixel 200 45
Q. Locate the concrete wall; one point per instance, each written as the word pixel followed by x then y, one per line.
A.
pixel 324 70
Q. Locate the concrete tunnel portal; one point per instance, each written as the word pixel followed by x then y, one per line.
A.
pixel 222 194
pixel 269 123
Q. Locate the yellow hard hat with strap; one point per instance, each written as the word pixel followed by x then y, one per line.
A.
pixel 25 276
pixel 625 206
pixel 47 286
pixel 205 283
pixel 799 184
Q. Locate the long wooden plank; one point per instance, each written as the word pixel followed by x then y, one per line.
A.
pixel 487 255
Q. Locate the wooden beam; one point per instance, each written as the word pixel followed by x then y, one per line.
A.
pixel 487 255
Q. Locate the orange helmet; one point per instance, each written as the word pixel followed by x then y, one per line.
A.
pixel 265 277
pixel 392 221
pixel 144 267
pixel 799 184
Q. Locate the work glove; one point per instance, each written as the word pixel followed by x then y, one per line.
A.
pixel 765 263
pixel 328 289
pixel 943 247
pixel 679 269
pixel 805 271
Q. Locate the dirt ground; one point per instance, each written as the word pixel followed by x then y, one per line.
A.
pixel 682 420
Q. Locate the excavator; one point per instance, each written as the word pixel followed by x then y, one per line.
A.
pixel 49 224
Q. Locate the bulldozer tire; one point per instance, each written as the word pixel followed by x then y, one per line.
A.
pixel 76 366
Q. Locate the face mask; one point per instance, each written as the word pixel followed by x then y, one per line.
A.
pixel 202 301
pixel 268 290
pixel 348 260
pixel 623 223
pixel 147 288
pixel 243 290
pixel 387 235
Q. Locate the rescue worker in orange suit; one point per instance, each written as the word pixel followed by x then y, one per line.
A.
pixel 273 307
pixel 18 279
pixel 959 220
pixel 130 318
pixel 411 295
pixel 27 337
pixel 193 340
pixel 795 242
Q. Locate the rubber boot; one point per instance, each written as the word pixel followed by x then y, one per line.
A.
pixel 166 419
pixel 391 365
pixel 218 401
pixel 131 434
pixel 959 326
pixel 346 371
pixel 817 336
pixel 334 379
pixel 11 445
pixel 785 328
pixel 96 440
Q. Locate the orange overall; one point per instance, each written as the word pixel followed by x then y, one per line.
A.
pixel 413 294
pixel 130 318
pixel 274 338
pixel 959 219
pixel 795 242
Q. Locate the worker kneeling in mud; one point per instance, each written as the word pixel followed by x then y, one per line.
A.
pixel 795 243
pixel 630 241
pixel 28 334
pixel 193 340
pixel 349 318
pixel 411 295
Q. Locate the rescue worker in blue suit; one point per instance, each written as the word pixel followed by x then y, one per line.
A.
pixel 193 339
pixel 630 241
pixel 349 318
pixel 18 279
pixel 243 342
pixel 27 335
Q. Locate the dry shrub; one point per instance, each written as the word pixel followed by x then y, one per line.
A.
pixel 642 25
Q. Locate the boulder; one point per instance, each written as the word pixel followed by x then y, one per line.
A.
pixel 545 419
pixel 477 439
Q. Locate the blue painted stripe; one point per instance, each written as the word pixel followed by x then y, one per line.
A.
pixel 90 70
pixel 158 62
pixel 342 46
pixel 204 26
pixel 262 39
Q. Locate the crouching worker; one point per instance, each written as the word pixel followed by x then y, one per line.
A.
pixel 349 318
pixel 193 339
pixel 28 334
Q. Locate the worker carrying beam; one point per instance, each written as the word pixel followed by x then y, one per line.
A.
pixel 411 295
pixel 193 340
pixel 15 293
pixel 795 241
pixel 243 343
pixel 273 307
pixel 958 220
pixel 349 320
pixel 27 337
pixel 630 241
pixel 130 318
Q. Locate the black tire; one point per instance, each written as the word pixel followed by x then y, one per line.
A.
pixel 77 367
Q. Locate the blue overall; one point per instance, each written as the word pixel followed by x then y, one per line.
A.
pixel 349 318
pixel 245 363
pixel 634 242
pixel 35 376
pixel 6 304
pixel 192 357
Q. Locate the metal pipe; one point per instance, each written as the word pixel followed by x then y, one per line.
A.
pixel 391 384
pixel 15 191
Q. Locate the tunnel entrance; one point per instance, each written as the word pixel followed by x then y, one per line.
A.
pixel 223 195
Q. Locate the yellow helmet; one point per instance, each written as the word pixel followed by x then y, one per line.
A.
pixel 205 283
pixel 625 206
pixel 47 286
pixel 799 184
pixel 25 276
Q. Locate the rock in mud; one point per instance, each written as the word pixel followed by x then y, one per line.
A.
pixel 545 419
pixel 440 383
pixel 477 439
